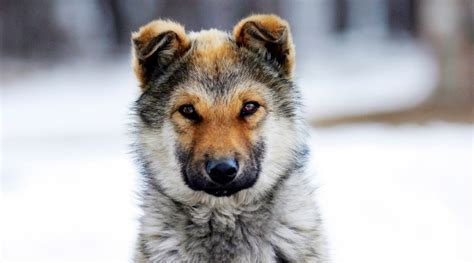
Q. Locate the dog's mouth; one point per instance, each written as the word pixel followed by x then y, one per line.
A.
pixel 228 190
pixel 201 183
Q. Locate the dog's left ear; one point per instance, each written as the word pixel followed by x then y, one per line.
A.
pixel 270 37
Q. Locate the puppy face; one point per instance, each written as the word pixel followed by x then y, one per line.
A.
pixel 219 138
pixel 218 113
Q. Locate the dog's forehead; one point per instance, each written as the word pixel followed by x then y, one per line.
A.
pixel 213 51
pixel 214 63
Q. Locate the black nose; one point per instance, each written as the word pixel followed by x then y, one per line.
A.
pixel 222 171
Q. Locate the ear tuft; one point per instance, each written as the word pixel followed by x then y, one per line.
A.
pixel 155 46
pixel 269 36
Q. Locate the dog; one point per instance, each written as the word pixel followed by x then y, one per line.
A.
pixel 220 142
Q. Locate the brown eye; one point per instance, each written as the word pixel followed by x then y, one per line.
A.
pixel 249 108
pixel 189 112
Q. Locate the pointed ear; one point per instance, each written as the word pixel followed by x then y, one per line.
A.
pixel 269 36
pixel 155 46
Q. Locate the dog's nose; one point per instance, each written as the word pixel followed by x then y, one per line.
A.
pixel 222 171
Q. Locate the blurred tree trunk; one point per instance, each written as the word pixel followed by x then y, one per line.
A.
pixel 402 16
pixel 340 16
pixel 447 26
pixel 116 20
pixel 29 29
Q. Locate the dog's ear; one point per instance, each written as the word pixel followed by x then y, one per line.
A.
pixel 269 36
pixel 155 46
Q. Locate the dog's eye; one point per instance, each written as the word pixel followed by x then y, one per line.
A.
pixel 189 112
pixel 249 108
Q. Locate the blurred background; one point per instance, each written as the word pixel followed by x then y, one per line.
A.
pixel 387 85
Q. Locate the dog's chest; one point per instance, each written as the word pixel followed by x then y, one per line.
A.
pixel 229 235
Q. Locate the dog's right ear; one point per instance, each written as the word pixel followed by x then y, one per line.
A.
pixel 155 46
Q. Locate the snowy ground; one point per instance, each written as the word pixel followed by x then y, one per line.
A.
pixel 388 193
pixel 397 194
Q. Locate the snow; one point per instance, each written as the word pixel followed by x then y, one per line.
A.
pixel 68 201
pixel 388 193
pixel 396 194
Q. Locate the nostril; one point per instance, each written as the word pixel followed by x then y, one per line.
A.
pixel 222 171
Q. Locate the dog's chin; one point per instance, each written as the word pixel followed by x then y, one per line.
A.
pixel 201 183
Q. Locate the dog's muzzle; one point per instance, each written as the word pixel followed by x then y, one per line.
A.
pixel 221 177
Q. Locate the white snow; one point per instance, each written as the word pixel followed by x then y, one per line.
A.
pixel 396 194
pixel 388 193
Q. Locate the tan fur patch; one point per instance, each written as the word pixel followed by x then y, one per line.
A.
pixel 276 27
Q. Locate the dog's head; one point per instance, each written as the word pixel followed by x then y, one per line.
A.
pixel 218 114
